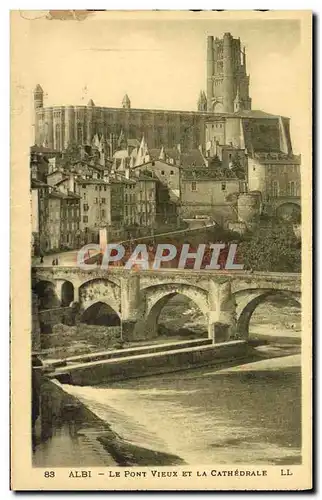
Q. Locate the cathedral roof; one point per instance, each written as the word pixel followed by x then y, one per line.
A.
pixel 90 103
pixel 255 113
pixel 187 159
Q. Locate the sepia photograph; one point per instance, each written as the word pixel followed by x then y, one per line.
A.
pixel 168 182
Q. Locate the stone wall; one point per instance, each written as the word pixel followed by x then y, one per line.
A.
pixel 151 364
pixel 50 317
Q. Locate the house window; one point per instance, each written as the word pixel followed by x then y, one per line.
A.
pixel 104 188
pixel 275 189
pixel 194 186
pixel 291 188
pixel 96 188
pixel 85 218
pixel 171 172
pixel 96 200
pixel 162 172
pixel 103 201
pixel 103 213
pixel 85 207
pixel 223 186
pixel 84 186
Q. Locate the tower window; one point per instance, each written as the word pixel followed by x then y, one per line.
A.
pixel 194 186
pixel 223 186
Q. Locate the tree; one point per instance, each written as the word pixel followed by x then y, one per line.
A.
pixel 273 247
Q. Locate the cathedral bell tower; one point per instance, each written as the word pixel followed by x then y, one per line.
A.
pixel 227 81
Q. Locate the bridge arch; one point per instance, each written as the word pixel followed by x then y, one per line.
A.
pixel 47 294
pixel 289 210
pixel 253 300
pixel 100 290
pixel 158 296
pixel 100 313
pixel 67 293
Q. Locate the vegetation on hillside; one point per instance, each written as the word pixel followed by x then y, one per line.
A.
pixel 272 247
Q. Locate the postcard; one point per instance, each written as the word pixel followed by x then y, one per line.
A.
pixel 161 303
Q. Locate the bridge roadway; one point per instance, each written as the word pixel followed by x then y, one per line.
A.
pixel 226 298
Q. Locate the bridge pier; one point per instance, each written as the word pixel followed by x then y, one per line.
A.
pixel 76 294
pixel 222 314
pixel 128 329
pixel 130 300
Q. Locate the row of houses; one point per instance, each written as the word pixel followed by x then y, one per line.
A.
pixel 139 190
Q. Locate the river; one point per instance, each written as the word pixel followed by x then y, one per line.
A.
pixel 244 414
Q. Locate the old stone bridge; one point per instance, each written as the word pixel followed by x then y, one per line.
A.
pixel 227 299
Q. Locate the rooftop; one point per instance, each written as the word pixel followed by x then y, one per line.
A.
pixel 242 114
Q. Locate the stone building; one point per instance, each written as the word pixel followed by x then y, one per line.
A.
pixel 277 177
pixel 54 206
pixel 146 199
pixel 224 115
pixel 224 129
pixel 204 194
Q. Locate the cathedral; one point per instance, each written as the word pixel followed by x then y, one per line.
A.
pixel 223 117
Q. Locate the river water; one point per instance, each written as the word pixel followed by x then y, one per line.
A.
pixel 245 414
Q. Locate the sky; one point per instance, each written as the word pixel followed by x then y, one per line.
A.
pixel 161 63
